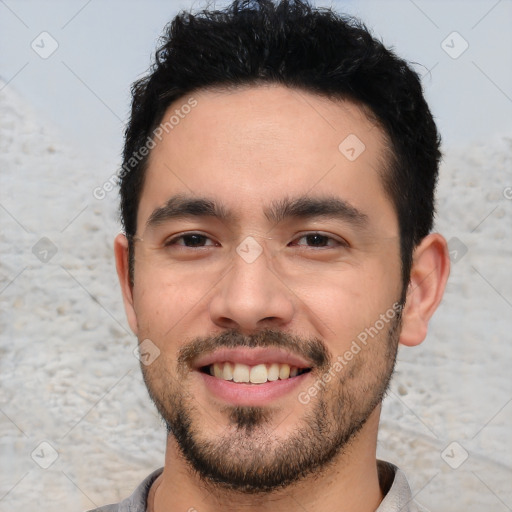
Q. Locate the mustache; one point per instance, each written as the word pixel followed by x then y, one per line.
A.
pixel 312 349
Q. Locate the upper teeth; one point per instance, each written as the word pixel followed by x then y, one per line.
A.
pixel 257 374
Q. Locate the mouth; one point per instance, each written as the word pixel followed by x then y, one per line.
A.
pixel 257 374
pixel 251 376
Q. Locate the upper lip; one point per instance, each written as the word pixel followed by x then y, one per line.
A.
pixel 251 357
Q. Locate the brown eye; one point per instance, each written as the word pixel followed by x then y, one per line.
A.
pixel 318 240
pixel 190 240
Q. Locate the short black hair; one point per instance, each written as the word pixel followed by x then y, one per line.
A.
pixel 291 43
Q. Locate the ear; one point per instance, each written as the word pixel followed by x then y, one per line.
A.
pixel 122 266
pixel 429 273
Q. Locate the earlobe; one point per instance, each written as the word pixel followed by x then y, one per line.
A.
pixel 123 273
pixel 429 274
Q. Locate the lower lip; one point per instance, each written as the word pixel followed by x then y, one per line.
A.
pixel 251 394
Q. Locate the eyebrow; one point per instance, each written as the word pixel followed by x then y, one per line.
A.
pixel 304 207
pixel 311 207
pixel 180 206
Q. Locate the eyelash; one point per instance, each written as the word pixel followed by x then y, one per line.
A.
pixel 173 240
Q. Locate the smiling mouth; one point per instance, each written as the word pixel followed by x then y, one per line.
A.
pixel 257 374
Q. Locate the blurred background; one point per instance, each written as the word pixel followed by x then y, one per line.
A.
pixel 76 426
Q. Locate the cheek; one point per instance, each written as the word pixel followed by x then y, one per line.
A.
pixel 156 301
pixel 341 305
pixel 166 297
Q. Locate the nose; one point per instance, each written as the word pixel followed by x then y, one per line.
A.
pixel 251 296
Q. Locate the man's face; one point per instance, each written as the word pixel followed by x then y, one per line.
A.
pixel 264 231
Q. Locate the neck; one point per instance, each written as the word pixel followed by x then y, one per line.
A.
pixel 350 483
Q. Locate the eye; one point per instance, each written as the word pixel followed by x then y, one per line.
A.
pixel 190 240
pixel 319 240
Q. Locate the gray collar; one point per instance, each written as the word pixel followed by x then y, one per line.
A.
pixel 393 483
pixel 396 490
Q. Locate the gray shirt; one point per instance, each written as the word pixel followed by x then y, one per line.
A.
pixel 394 485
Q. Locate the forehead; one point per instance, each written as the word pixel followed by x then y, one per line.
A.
pixel 252 146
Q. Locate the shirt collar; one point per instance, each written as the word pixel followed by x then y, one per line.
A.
pixel 397 492
pixel 393 483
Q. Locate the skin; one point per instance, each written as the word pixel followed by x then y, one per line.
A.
pixel 248 149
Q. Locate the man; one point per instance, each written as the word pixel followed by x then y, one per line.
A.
pixel 277 198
